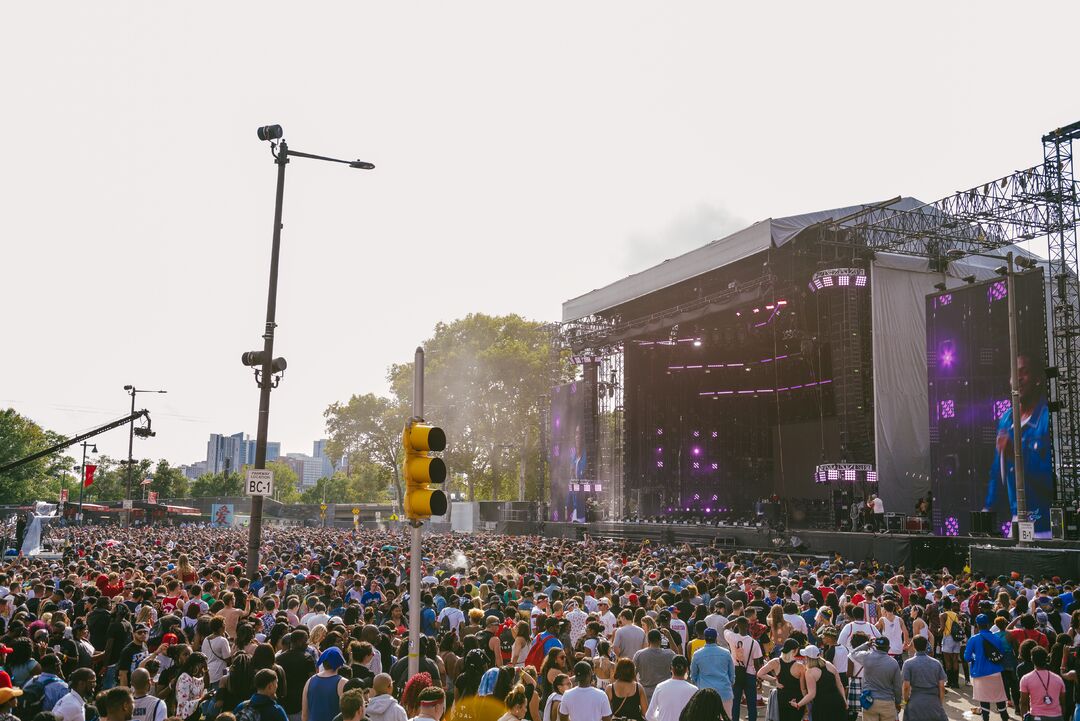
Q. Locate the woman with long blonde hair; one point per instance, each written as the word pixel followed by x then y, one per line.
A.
pixel 779 628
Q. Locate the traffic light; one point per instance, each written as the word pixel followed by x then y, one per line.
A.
pixel 423 499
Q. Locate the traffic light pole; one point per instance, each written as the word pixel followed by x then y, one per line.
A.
pixel 414 544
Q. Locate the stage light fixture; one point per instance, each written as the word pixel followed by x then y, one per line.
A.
pixel 1051 372
pixel 940 286
pixel 838 278
pixel 969 279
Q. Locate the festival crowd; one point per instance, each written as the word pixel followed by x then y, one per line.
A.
pixel 163 624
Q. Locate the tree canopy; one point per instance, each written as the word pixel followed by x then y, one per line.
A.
pixel 487 383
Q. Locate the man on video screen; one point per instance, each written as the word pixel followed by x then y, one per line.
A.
pixel 1036 445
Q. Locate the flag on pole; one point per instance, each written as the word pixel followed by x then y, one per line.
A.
pixel 145 482
pixel 152 497
pixel 88 477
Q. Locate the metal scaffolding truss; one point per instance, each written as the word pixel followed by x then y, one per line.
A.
pixel 1041 201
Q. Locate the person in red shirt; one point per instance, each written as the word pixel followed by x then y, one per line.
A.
pixel 1027 630
pixel 899 584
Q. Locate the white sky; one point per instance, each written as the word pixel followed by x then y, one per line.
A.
pixel 526 154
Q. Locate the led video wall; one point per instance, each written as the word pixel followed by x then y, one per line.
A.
pixel 968 367
pixel 572 460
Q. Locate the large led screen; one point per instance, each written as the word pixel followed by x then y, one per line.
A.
pixel 971 449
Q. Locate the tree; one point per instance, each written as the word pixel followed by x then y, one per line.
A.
pixel 285 481
pixel 21 437
pixel 169 482
pixel 488 382
pixel 210 485
pixel 367 429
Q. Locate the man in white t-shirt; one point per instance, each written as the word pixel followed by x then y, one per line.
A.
pixel 791 615
pixel 858 625
pixel 670 697
pixel 717 620
pixel 607 617
pixel 584 702
pixel 453 617
pixel 745 649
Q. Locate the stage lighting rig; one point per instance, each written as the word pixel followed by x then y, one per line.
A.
pixel 838 278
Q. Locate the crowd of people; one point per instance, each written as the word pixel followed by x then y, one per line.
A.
pixel 162 623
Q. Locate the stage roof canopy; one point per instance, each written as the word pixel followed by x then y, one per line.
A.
pixel 765 234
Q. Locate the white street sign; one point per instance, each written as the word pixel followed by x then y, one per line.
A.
pixel 259 482
pixel 1027 530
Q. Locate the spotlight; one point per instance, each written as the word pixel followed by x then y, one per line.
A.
pixel 269 132
pixel 940 286
pixel 1001 270
pixel 697 342
pixel 1051 372
pixel 969 279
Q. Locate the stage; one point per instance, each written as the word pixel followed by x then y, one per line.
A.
pixel 989 556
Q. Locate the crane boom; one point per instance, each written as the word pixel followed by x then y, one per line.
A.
pixel 81 437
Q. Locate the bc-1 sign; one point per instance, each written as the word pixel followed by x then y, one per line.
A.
pixel 259 482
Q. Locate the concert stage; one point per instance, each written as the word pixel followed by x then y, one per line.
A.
pixel 793 360
pixel 993 556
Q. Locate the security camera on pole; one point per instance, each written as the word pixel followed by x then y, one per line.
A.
pixel 423 497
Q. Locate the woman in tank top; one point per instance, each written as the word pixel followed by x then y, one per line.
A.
pixel 893 628
pixel 786 672
pixel 625 694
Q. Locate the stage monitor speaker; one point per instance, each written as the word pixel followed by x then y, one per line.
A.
pixel 1064 524
pixel 1057 523
pixel 894 522
pixel 983 522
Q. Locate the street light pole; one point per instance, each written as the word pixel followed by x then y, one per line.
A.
pixel 132 390
pixel 255 525
pixel 268 365
pixel 82 479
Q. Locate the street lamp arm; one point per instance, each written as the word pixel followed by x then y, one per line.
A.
pixel 351 163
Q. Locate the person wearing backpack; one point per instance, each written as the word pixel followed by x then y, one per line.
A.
pixel 985 652
pixel 43 691
pixel 263 705
pixel 952 640
pixel 72 707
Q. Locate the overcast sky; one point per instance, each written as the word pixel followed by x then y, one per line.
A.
pixel 527 153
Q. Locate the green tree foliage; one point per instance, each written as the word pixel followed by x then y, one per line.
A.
pixel 217 484
pixel 365 483
pixel 367 429
pixel 20 437
pixel 169 482
pixel 285 482
pixel 487 382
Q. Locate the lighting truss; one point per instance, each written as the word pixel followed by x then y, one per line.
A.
pixel 838 278
pixel 849 472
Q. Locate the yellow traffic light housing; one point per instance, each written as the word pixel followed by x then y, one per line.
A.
pixel 422 501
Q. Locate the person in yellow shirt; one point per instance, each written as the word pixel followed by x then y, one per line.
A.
pixel 699 640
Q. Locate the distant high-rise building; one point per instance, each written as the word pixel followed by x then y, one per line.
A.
pixel 326 466
pixel 308 470
pixel 193 471
pixel 235 451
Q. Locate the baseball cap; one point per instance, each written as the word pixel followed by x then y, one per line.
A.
pixel 982 621
pixel 811 651
pixel 881 643
pixel 709 635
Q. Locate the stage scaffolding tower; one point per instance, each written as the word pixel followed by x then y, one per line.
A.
pixel 1025 205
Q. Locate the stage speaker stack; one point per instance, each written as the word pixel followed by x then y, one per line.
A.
pixel 983 523
pixel 894 522
pixel 1064 524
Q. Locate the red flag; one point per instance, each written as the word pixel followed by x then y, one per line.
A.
pixel 88 479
